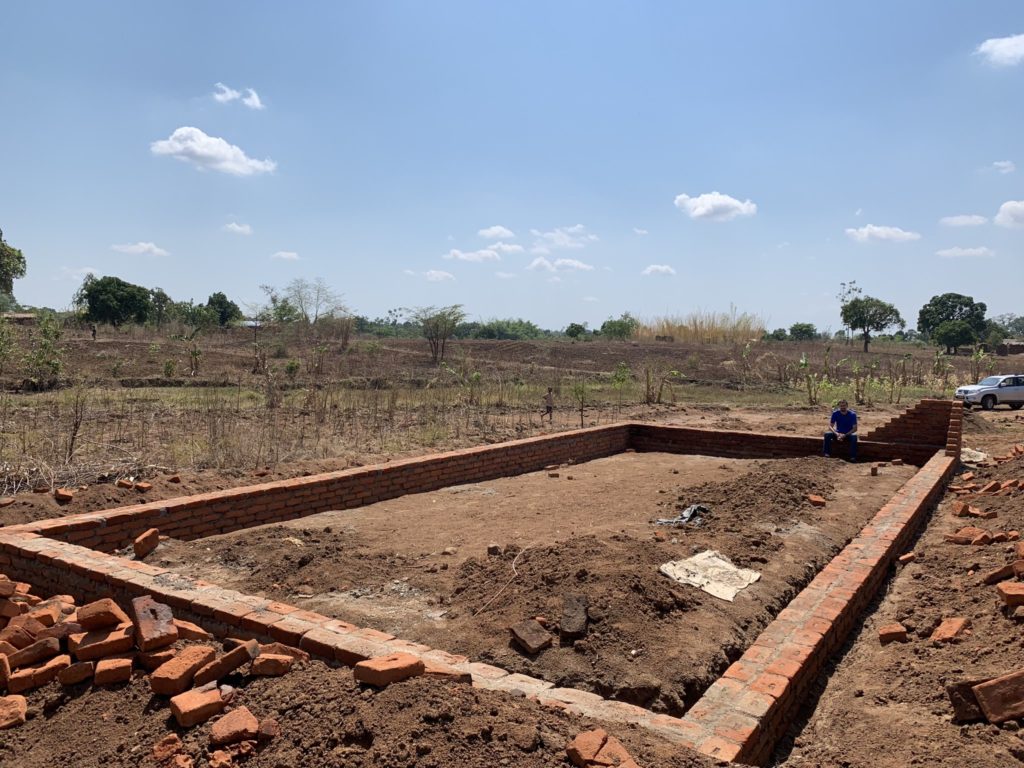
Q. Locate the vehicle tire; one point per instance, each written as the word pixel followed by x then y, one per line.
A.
pixel 988 402
pixel 1017 406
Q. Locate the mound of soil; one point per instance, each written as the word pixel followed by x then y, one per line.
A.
pixel 325 719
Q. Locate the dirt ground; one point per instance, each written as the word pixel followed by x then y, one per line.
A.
pixel 885 707
pixel 326 720
pixel 419 566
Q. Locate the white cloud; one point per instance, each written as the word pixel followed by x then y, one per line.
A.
pixel 408 272
pixel 285 255
pixel 223 94
pixel 541 263
pixel 963 220
pixel 858 212
pixel 572 264
pixel 437 275
pixel 872 232
pixel 575 236
pixel 484 254
pixel 497 232
pixel 714 206
pixel 193 146
pixel 140 248
pixel 1011 214
pixel 506 247
pixel 1005 166
pixel 1002 51
pixel 504 275
pixel 957 253
pixel 252 100
pixel 238 229
pixel 658 269
pixel 638 231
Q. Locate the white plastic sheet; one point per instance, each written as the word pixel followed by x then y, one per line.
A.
pixel 711 572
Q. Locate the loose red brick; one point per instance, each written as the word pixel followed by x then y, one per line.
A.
pixel 892 633
pixel 909 557
pixel 13 710
pixel 966 477
pixel 153 660
pixel 124 483
pixel 950 630
pixel 100 614
pixel 177 674
pixel 237 725
pixel 196 706
pixel 37 651
pixel 1011 593
pixel 1002 573
pixel 154 624
pixel 384 670
pixel 143 487
pixel 271 665
pixel 284 650
pixel 983 539
pixel 89 646
pixel 6 501
pixel 16 636
pixel 63 495
pixel 35 677
pixel 145 543
pixel 76 673
pixel 1002 699
pixel 228 663
pixel 584 748
pixel 816 500
pixel 189 631
pixel 112 671
pixel 991 487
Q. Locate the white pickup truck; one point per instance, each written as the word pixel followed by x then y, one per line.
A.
pixel 994 390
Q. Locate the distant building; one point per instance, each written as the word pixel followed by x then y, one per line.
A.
pixel 20 318
pixel 1011 347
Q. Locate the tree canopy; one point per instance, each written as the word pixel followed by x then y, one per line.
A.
pixel 953 334
pixel 620 329
pixel 112 300
pixel 12 267
pixel 950 307
pixel 437 325
pixel 868 314
pixel 227 311
pixel 803 332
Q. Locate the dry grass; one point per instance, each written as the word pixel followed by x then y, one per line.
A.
pixel 704 327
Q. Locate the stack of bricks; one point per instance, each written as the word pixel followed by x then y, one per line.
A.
pixel 743 715
pixel 954 436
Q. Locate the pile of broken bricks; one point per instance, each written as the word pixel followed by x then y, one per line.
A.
pixel 595 748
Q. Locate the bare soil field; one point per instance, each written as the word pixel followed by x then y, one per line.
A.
pixel 326 719
pixel 886 706
pixel 455 568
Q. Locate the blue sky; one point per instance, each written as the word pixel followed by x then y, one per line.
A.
pixel 528 159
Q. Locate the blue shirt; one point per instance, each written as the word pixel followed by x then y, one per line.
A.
pixel 844 423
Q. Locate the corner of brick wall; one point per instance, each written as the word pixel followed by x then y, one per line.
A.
pixel 927 423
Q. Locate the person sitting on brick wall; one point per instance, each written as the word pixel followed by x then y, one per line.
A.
pixel 842 427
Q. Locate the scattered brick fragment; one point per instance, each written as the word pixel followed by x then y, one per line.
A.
pixel 228 663
pixel 597 748
pixel 113 671
pixel 174 479
pixel 196 706
pixel 63 495
pixel 897 462
pixel 991 487
pixel 143 487
pixel 530 636
pixel 167 748
pixel 12 711
pixel 37 651
pixel 76 673
pixel 964 535
pixel 281 649
pixel 153 660
pixel 100 614
pixel 891 633
pixel 177 674
pixel 965 703
pixel 237 725
pixel 1011 593
pixel 189 631
pixel 124 483
pixel 145 543
pixel 154 624
pixel 221 759
pixel 1002 698
pixel 950 630
pixel 966 477
pixel 909 557
pixel 271 665
pixel 983 539
pixel 6 501
pixel 269 730
pixel 89 646
pixel 1002 573
pixel 816 500
pixel 381 671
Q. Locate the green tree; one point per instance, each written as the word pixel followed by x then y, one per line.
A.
pixel 868 314
pixel 437 324
pixel 224 309
pixel 953 334
pixel 45 358
pixel 620 329
pixel 161 304
pixel 1011 324
pixel 6 342
pixel 12 266
pixel 575 330
pixel 949 307
pixel 112 300
pixel 803 332
pixel 779 334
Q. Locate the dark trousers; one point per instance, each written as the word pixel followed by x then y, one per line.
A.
pixel 851 439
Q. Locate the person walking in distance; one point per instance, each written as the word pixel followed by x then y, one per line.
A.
pixel 549 407
pixel 842 427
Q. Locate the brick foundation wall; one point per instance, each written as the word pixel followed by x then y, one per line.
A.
pixel 926 423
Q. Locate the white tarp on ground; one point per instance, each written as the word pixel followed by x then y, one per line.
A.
pixel 712 573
